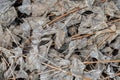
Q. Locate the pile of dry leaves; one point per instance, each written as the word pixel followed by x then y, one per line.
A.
pixel 59 39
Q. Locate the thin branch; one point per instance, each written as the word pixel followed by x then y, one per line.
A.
pixel 65 14
pixel 112 21
pixel 67 72
pixel 101 61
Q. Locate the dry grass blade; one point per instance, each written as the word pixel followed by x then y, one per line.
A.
pixel 59 39
pixel 102 61
pixel 4 50
pixel 69 73
pixel 6 61
pixel 101 43
pixel 64 15
pixel 116 20
pixel 48 71
pixel 103 0
pixel 12 37
pixel 74 37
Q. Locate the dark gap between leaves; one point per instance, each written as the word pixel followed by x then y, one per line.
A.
pixel 77 52
pixel 17 68
pixel 115 69
pixel 14 45
pixel 20 79
pixel 17 3
pixel 115 52
pixel 73 78
pixel 91 66
pixel 88 12
pixel 28 72
pixel 104 74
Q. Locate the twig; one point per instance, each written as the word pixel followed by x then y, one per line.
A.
pixel 50 71
pixel 64 15
pixel 5 61
pixel 69 73
pixel 79 37
pixel 103 1
pixel 101 61
pixel 116 20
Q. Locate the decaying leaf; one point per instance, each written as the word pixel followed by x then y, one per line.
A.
pixel 59 39
pixel 60 36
